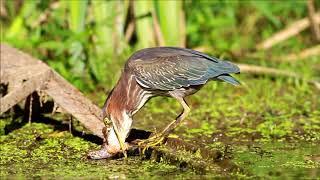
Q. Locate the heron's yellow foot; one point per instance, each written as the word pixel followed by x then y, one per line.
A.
pixel 155 140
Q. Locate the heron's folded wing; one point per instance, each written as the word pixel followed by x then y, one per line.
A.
pixel 169 73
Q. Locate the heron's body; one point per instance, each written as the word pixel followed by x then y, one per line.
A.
pixel 161 71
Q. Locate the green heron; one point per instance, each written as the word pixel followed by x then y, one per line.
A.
pixel 160 71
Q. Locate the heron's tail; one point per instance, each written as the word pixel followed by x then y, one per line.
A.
pixel 229 79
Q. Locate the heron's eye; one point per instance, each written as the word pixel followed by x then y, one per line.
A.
pixel 107 122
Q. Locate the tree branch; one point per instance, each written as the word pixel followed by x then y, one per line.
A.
pixel 292 30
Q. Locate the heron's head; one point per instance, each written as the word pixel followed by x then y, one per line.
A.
pixel 115 112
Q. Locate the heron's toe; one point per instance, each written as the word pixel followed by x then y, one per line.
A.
pixel 152 141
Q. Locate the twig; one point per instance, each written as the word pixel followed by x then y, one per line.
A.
pixel 303 54
pixel 3 10
pixel 314 26
pixel 157 30
pixel 243 118
pixel 313 51
pixel 290 31
pixel 203 48
pixel 252 69
pixel 129 31
pixel 55 108
pixel 30 108
pixel 46 14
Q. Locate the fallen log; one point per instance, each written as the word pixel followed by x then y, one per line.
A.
pixel 25 74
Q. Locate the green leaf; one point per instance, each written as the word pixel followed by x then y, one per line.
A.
pixel 77 16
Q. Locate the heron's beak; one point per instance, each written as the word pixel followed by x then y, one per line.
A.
pixel 108 123
pixel 101 154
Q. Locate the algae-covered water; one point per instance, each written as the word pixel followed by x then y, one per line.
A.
pixel 280 159
pixel 37 150
pixel 266 133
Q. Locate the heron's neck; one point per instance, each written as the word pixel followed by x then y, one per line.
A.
pixel 126 97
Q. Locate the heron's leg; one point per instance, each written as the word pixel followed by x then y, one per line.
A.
pixel 178 120
pixel 160 138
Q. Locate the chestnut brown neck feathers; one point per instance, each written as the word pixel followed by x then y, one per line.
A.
pixel 126 97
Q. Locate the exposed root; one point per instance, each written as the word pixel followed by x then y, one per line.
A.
pixel 30 108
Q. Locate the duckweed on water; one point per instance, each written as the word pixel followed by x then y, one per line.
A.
pixel 280 159
pixel 37 150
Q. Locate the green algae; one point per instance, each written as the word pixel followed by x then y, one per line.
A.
pixel 37 150
pixel 279 159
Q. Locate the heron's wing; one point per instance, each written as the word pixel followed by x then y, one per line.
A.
pixel 168 73
pixel 172 72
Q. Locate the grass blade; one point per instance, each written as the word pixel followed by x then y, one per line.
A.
pixel 77 15
pixel 145 33
pixel 171 19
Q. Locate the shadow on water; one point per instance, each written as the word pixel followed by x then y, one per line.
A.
pixel 18 121
pixel 19 117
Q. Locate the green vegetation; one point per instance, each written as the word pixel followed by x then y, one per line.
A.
pixel 36 150
pixel 270 125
